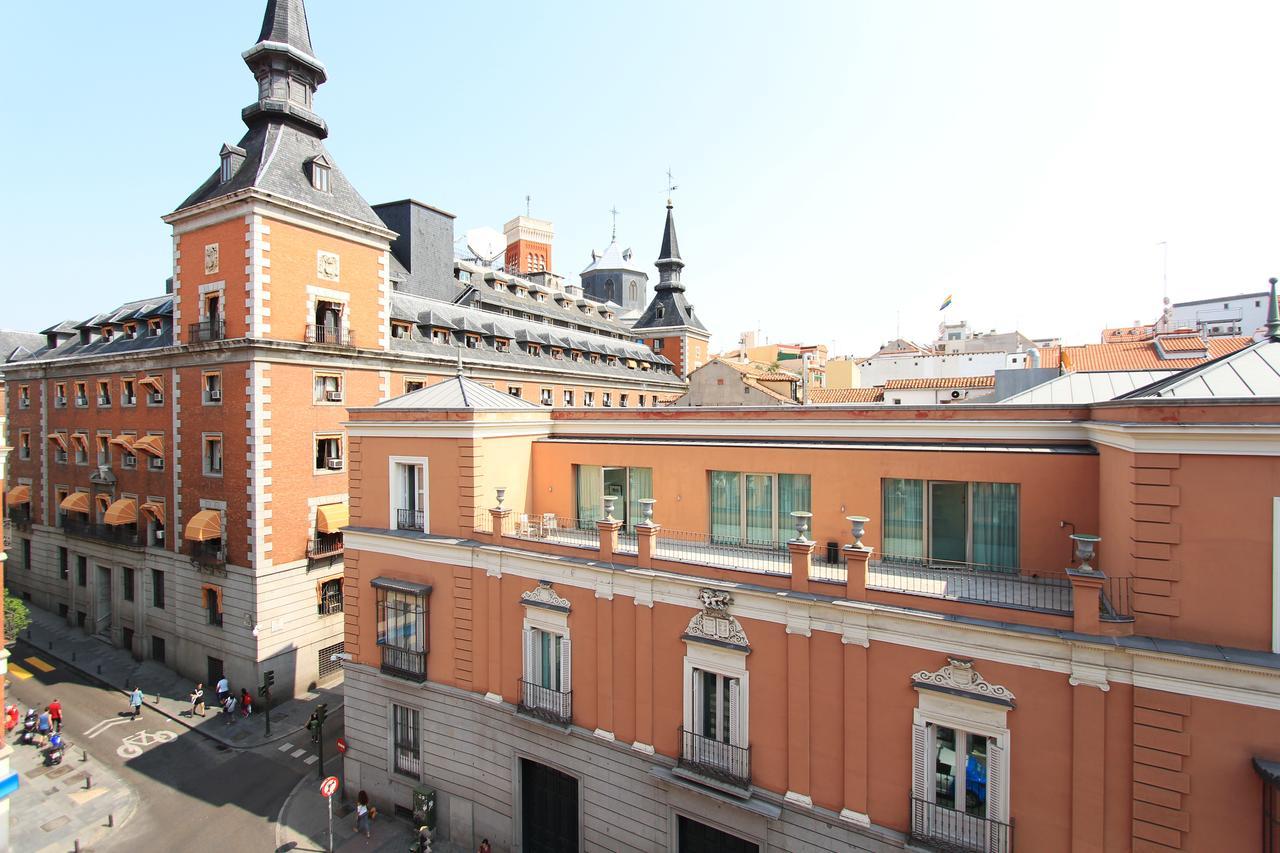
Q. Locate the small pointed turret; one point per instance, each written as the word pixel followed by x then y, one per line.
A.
pixel 1273 315
pixel 285 66
pixel 669 263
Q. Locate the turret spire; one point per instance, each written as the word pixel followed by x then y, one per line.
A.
pixel 285 66
pixel 669 262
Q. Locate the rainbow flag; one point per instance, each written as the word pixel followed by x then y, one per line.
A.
pixel 945 302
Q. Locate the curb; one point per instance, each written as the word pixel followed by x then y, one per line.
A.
pixel 157 708
pixel 281 841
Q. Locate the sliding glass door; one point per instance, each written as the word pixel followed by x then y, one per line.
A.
pixel 628 485
pixel 756 508
pixel 947 522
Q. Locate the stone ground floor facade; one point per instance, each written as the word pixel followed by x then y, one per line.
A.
pixel 482 758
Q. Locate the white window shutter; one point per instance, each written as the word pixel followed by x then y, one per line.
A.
pixel 999 840
pixel 921 767
pixel 566 666
pixel 529 674
pixel 735 706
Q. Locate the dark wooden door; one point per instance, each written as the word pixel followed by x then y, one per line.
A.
pixel 697 837
pixel 549 809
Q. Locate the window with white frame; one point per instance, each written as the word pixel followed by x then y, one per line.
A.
pixel 328 388
pixel 212 387
pixel 406 740
pixel 588 398
pixel 409 494
pixel 546 687
pixel 715 734
pixel 568 398
pixel 212 455
pixel 545 396
pixel 328 453
pixel 128 392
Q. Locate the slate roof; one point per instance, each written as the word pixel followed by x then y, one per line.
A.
pixel 488 295
pixel 285 22
pixel 457 392
pixel 140 309
pixel 276 161
pixel 1250 372
pixel 940 382
pixel 613 258
pixel 669 307
pixel 15 345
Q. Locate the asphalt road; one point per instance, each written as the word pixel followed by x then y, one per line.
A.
pixel 194 793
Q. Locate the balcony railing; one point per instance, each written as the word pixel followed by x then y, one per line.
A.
pixel 745 554
pixel 330 335
pixel 940 828
pixel 121 534
pixel 20 517
pixel 715 760
pixel 1045 591
pixel 325 546
pixel 209 557
pixel 209 330
pixel 402 663
pixel 554 529
pixel 410 519
pixel 1117 599
pixel 547 704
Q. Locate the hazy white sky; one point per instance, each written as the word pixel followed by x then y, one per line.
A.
pixel 840 164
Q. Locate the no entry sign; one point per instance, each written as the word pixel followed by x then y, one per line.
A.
pixel 342 745
pixel 329 786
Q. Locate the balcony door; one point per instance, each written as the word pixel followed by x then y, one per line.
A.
pixel 949 522
pixel 549 809
pixel 102 613
pixel 697 837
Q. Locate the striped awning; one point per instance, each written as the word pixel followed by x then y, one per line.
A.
pixel 123 511
pixel 80 439
pixel 154 510
pixel 18 495
pixel 152 382
pixel 124 441
pixel 153 445
pixel 203 526
pixel 76 502
pixel 59 439
pixel 331 518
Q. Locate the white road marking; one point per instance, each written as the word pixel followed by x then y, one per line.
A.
pixel 100 727
pixel 285 747
pixel 311 759
pixel 297 753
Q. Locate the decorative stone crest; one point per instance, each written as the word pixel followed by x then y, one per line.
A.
pixel 959 678
pixel 211 259
pixel 713 623
pixel 327 266
pixel 543 595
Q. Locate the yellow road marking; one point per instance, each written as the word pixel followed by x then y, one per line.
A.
pixel 82 797
pixel 39 664
pixel 18 672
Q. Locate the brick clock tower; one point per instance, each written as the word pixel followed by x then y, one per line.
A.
pixel 668 326
pixel 528 245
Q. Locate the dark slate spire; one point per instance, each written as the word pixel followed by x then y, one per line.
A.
pixel 285 66
pixel 669 263
pixel 1273 315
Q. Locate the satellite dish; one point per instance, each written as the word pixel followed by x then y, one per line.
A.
pixel 486 244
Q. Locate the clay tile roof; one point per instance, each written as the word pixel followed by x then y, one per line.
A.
pixel 1139 355
pixel 755 370
pixel 1182 343
pixel 942 382
pixel 846 395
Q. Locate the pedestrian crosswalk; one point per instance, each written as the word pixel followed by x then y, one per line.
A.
pixel 305 756
pixel 22 673
pixel 36 663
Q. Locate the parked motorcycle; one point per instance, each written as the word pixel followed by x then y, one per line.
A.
pixel 28 735
pixel 54 752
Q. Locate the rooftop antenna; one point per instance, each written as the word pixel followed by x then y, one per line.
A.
pixel 614 236
pixel 528 205
pixel 1164 274
pixel 671 185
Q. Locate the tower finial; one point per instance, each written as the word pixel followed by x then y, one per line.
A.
pixel 528 205
pixel 1273 315
pixel 614 235
pixel 285 66
pixel 671 187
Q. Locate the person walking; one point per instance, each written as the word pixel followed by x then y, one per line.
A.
pixel 44 725
pixel 197 700
pixel 224 688
pixel 246 702
pixel 484 847
pixel 229 708
pixel 364 823
pixel 135 701
pixel 55 714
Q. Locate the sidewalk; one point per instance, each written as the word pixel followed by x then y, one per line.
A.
pixel 52 809
pixel 304 819
pixel 166 691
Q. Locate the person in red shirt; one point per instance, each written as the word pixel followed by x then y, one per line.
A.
pixel 55 713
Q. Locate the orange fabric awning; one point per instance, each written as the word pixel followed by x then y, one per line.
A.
pixel 152 382
pixel 18 495
pixel 203 526
pixel 154 510
pixel 123 511
pixel 124 441
pixel 76 502
pixel 80 439
pixel 59 439
pixel 150 444
pixel 331 518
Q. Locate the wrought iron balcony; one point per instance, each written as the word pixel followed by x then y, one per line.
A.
pixel 209 557
pixel 402 663
pixel 410 519
pixel 331 335
pixel 20 517
pixel 546 704
pixel 209 330
pixel 952 831
pixel 126 535
pixel 715 760
pixel 325 548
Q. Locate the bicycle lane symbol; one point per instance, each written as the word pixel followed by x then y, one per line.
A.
pixel 134 744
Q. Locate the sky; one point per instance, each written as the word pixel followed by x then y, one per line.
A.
pixel 842 166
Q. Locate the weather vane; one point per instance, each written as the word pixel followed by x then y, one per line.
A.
pixel 614 210
pixel 671 185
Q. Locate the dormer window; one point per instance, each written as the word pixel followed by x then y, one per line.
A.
pixel 130 331
pixel 231 157
pixel 154 327
pixel 320 168
pixel 107 332
pixel 401 330
pixel 661 311
pixel 439 336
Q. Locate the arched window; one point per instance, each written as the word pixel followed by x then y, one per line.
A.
pixel 633 294
pixel 608 289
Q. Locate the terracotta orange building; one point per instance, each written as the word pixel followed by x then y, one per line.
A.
pixel 848 628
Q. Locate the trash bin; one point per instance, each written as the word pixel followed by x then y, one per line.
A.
pixel 424 807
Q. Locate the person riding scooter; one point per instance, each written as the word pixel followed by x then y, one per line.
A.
pixel 56 749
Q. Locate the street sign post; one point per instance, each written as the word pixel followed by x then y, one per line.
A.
pixel 327 789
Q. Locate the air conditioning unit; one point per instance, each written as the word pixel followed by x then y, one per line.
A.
pixel 59 401
pixel 333 464
pixel 215 394
pixel 160 534
pixel 155 397
pixel 128 400
pixel 333 396
pixel 156 464
pixel 955 395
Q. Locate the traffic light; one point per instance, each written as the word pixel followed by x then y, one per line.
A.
pixel 269 678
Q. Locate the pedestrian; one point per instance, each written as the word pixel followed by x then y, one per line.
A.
pixel 224 688
pixel 197 700
pixel 44 725
pixel 229 708
pixel 364 823
pixel 246 702
pixel 135 701
pixel 55 713
pixel 484 846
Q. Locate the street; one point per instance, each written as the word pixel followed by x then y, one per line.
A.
pixel 192 792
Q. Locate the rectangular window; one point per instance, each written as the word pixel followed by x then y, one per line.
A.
pixel 607 399
pixel 547 661
pixel 157 589
pixel 439 336
pixel 24 396
pixel 213 455
pixel 628 485
pixel 62 563
pixel 328 453
pixel 501 345
pixel 211 598
pixel 154 390
pixel 154 462
pixel 411 385
pixel 568 398
pixel 410 497
pixel 211 385
pixel 80 442
pixel 26 554
pixel 588 398
pixel 714 708
pixel 82 571
pixel 406 739
pixel 60 395
pixel 756 508
pixel 513 390
pixel 546 396
pixel 154 328
pixel 641 401
pixel 104 393
pixel 948 522
pixel 401 330
pixel 126 583
pixel 402 631
pixel 328 388
pixel 330 597
pixel 128 392
pixel 103 443
pixel 24 444
pixel 127 457
pixel 622 400
pixel 473 342
pixel 82 396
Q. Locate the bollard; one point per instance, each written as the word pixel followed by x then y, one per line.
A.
pixel 88 781
pixel 111 821
pixel 83 756
pixel 157 701
pixel 51 645
pixel 73 657
pixel 77 848
pixel 99 669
